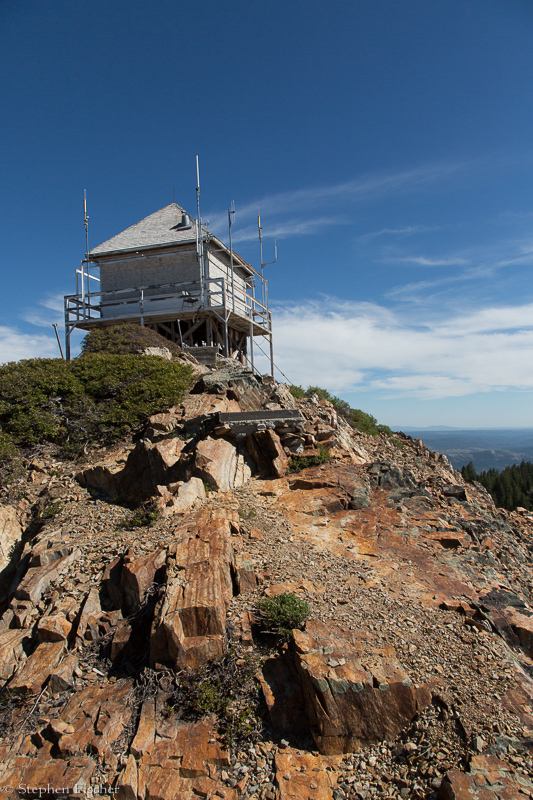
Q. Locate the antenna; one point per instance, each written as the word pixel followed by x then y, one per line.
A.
pixel 264 295
pixel 199 237
pixel 86 222
pixel 199 233
pixel 231 219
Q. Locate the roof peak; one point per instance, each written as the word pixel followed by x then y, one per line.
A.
pixel 169 225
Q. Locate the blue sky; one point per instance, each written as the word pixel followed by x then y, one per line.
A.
pixel 388 145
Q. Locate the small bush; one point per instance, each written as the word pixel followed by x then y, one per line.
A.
pixel 95 399
pixel 125 339
pixel 247 513
pixel 11 462
pixel 358 419
pixel 298 392
pixel 143 517
pixel 229 690
pixel 51 510
pixel 298 463
pixel 282 614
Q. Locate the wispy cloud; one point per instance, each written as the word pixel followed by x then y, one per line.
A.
pixel 481 263
pixel 366 188
pixel 422 291
pixel 410 230
pixel 49 310
pixel 285 229
pixel 424 261
pixel 366 347
pixel 15 345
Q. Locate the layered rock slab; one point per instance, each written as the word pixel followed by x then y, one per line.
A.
pixel 148 466
pixel 354 692
pixel 190 618
pixel 489 778
pixel 220 464
pixel 10 535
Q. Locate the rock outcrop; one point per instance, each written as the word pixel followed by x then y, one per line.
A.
pixel 190 620
pixel 410 679
pixel 354 693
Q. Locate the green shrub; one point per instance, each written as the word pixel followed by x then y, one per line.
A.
pixel 298 392
pixel 143 517
pixel 249 513
pixel 322 394
pixel 97 398
pixel 226 688
pixel 51 510
pixel 298 463
pixel 358 419
pixel 125 339
pixel 282 614
pixel 11 463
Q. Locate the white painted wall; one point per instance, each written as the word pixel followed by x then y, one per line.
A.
pixel 130 271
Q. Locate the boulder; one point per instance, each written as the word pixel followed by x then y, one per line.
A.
pixel 190 619
pixel 139 576
pixel 37 669
pixel 13 644
pixel 39 773
pixel 111 587
pixel 127 781
pixel 90 613
pixel 219 463
pixel 148 465
pixel 488 778
pixel 387 475
pixel 10 535
pixel 342 480
pixel 97 716
pixel 53 628
pixel 160 425
pixel 123 641
pixel 267 451
pixel 101 477
pixel 62 678
pixel 181 496
pixel 282 691
pixel 160 352
pixel 182 766
pixel 354 693
pixel 522 626
pixel 145 736
pixel 37 579
pixel 245 573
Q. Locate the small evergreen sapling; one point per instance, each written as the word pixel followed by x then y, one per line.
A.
pixel 282 614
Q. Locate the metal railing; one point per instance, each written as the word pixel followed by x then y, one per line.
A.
pixel 213 294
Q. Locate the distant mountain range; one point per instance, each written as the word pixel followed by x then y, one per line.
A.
pixel 485 447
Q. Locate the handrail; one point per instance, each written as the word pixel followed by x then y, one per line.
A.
pixel 82 306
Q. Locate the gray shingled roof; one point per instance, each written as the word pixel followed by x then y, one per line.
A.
pixel 157 229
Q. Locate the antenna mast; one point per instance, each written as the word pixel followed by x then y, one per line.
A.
pixel 264 290
pixel 86 222
pixel 231 218
pixel 199 233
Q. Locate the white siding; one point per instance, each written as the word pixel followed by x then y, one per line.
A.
pixel 219 269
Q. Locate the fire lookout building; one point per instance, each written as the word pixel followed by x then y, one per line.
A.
pixel 170 274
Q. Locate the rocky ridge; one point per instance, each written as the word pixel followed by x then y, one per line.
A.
pixel 411 679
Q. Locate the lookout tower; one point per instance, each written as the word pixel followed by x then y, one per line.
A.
pixel 169 273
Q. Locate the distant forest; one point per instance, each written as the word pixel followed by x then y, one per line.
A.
pixel 510 488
